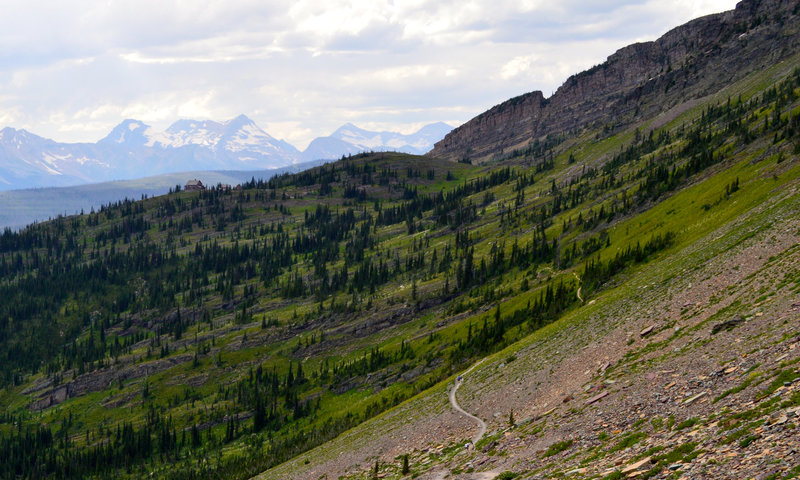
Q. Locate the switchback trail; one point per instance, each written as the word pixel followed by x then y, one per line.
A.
pixel 456 407
pixel 579 286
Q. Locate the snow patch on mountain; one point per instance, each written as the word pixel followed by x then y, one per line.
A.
pixel 350 139
pixel 49 163
pixel 134 149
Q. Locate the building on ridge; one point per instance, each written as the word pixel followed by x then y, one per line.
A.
pixel 195 184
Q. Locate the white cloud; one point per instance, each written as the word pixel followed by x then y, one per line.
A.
pixel 72 70
pixel 199 106
pixel 518 65
pixel 9 117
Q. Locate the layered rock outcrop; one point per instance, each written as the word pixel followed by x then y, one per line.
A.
pixel 638 81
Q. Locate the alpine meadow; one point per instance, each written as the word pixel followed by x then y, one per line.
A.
pixel 601 284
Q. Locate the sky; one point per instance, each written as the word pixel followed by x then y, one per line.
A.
pixel 71 70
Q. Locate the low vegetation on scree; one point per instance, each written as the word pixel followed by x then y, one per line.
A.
pixel 221 333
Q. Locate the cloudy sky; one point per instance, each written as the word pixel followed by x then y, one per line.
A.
pixel 71 70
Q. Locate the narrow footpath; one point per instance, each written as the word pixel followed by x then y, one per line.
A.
pixel 457 407
pixel 579 286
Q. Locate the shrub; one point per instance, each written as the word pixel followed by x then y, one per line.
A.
pixel 557 447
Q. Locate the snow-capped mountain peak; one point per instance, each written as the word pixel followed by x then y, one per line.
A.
pixel 134 149
pixel 350 139
pixel 239 136
pixel 9 134
pixel 240 122
pixel 205 133
pixel 130 132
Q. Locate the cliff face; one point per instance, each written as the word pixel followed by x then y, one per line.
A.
pixel 640 80
pixel 498 126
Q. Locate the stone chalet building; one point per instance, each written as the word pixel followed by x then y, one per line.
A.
pixel 195 184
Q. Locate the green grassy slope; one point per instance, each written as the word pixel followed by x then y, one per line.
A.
pixel 718 234
pixel 221 333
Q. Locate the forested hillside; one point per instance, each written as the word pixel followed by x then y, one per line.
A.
pixel 224 331
pixel 220 333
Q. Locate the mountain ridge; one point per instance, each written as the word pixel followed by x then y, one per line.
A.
pixel 637 81
pixel 23 207
pixel 626 290
pixel 133 149
pixel 350 139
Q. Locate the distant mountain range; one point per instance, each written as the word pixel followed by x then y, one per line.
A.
pixel 349 139
pixel 134 149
